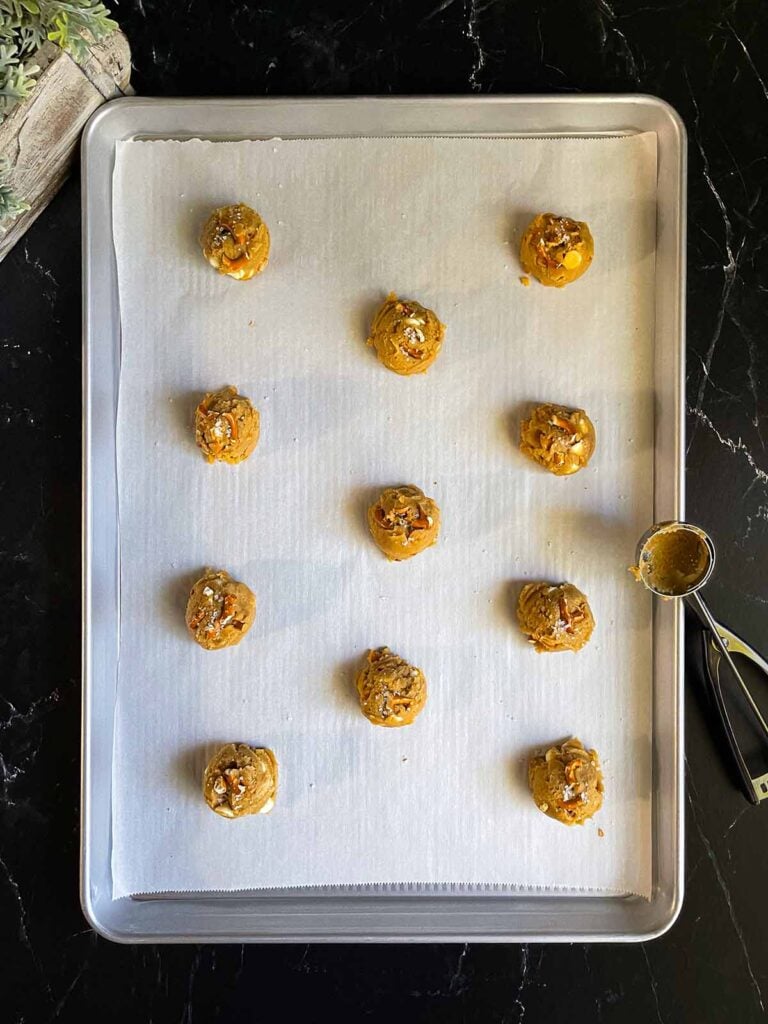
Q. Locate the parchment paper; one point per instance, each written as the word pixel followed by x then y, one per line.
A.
pixel 445 800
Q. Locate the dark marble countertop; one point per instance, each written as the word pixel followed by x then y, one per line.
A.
pixel 706 57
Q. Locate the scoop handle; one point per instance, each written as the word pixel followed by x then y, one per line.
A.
pixel 696 602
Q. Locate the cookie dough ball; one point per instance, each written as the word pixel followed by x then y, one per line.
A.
pixel 555 618
pixel 391 691
pixel 406 335
pixel 235 241
pixel 241 780
pixel 226 426
pixel 561 440
pixel 403 522
pixel 567 783
pixel 556 250
pixel 220 611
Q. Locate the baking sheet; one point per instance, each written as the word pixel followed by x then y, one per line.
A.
pixel 445 800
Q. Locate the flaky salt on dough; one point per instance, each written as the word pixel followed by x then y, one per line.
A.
pixel 404 521
pixel 240 780
pixel 226 426
pixel 391 692
pixel 235 241
pixel 220 610
pixel 556 250
pixel 560 439
pixel 566 782
pixel 406 335
pixel 555 617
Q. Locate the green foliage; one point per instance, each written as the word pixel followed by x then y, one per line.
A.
pixel 27 24
pixel 24 26
pixel 66 23
pixel 10 204
pixel 16 78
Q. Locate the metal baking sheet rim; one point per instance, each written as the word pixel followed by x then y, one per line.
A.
pixel 357 915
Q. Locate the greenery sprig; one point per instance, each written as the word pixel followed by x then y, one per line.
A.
pixel 10 204
pixel 24 26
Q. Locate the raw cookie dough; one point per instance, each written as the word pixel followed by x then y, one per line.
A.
pixel 241 780
pixel 555 618
pixel 561 440
pixel 406 335
pixel 556 250
pixel 226 426
pixel 567 783
pixel 235 241
pixel 391 691
pixel 220 611
pixel 403 522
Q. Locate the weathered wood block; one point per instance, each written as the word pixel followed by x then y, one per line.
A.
pixel 40 135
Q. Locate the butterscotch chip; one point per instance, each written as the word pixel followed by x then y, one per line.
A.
pixel 235 241
pixel 241 780
pixel 406 335
pixel 403 522
pixel 566 782
pixel 555 618
pixel 560 439
pixel 226 426
pixel 391 692
pixel 220 610
pixel 556 250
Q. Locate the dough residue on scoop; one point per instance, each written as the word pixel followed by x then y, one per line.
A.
pixel 673 560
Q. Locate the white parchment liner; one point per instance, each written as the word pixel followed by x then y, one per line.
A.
pixel 446 800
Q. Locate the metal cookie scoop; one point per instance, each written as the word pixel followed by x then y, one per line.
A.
pixel 675 560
